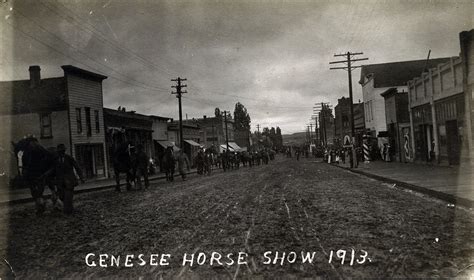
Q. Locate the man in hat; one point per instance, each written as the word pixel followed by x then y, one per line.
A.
pixel 66 180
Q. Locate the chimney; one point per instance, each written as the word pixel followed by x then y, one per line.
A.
pixel 35 76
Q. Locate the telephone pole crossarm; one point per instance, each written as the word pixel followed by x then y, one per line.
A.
pixel 350 58
pixel 179 93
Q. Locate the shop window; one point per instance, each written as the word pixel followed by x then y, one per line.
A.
pixel 46 127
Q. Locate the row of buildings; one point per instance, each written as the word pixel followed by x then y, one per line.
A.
pixel 69 110
pixel 422 109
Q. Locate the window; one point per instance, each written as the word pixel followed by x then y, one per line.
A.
pixel 46 128
pixel 345 121
pixel 88 121
pixel 97 122
pixel 79 120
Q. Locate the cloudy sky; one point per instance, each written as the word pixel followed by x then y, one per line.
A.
pixel 272 56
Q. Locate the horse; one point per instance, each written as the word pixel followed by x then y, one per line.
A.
pixel 122 163
pixel 36 164
pixel 169 162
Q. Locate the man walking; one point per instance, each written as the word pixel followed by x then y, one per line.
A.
pixel 183 162
pixel 141 167
pixel 66 180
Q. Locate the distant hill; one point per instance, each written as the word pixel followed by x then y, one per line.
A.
pixel 295 138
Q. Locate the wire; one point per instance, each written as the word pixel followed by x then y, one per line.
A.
pixel 83 25
pixel 83 53
pixel 72 58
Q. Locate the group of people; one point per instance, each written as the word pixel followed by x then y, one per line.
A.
pixel 134 162
pixel 228 160
pixel 61 173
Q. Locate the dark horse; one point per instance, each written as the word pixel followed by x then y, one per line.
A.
pixel 122 162
pixel 36 162
pixel 169 163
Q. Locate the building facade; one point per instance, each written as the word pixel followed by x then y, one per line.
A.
pixel 467 57
pixel 342 123
pixel 127 126
pixel 214 130
pixel 398 124
pixel 437 114
pixel 376 79
pixel 63 110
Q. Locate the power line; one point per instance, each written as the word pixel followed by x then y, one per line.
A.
pixel 93 31
pixel 81 52
pixel 350 58
pixel 72 58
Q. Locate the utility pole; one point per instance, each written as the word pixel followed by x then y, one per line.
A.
pixel 310 133
pixel 226 135
pixel 307 134
pixel 350 58
pixel 315 118
pixel 213 135
pixel 178 93
pixel 321 109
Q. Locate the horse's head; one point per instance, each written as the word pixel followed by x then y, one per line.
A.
pixel 23 146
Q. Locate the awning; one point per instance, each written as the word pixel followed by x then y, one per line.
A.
pixel 223 147
pixel 192 143
pixel 166 144
pixel 234 146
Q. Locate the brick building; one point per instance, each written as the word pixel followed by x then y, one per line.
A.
pixel 214 130
pixel 342 124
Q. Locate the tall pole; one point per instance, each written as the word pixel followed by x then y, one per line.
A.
pixel 349 76
pixel 349 68
pixel 178 93
pixel 226 134
pixel 316 130
pixel 213 135
pixel 323 115
pixel 321 110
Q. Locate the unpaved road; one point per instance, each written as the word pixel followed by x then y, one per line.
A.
pixel 286 206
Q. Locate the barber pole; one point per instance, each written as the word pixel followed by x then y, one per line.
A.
pixel 366 150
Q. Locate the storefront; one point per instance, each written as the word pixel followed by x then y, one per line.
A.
pixel 423 133
pixel 449 117
pixel 90 158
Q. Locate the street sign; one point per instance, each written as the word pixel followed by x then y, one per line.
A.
pixel 347 143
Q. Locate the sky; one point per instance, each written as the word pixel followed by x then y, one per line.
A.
pixel 271 56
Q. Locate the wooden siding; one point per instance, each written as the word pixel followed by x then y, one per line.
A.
pixel 15 127
pixel 83 93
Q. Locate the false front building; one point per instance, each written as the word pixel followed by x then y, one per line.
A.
pixel 62 110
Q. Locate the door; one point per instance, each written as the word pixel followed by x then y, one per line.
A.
pixel 84 157
pixel 453 143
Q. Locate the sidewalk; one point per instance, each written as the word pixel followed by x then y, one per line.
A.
pixel 23 195
pixel 452 184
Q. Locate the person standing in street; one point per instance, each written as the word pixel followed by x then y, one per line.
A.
pixel 66 180
pixel 141 167
pixel 183 162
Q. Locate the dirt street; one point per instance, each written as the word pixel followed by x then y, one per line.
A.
pixel 291 207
